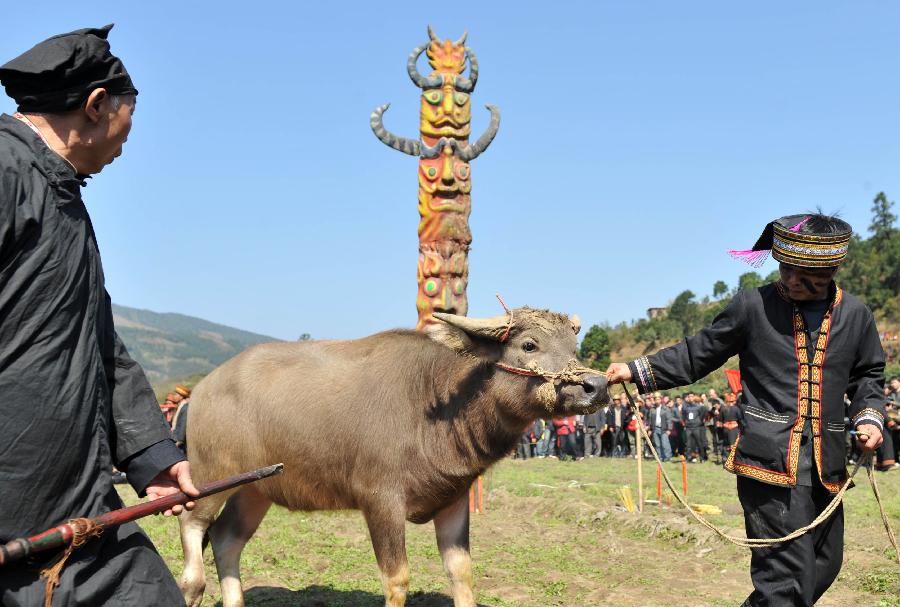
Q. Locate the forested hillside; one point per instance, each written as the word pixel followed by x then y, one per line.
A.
pixel 172 346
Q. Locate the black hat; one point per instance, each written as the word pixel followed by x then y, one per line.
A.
pixel 807 241
pixel 58 74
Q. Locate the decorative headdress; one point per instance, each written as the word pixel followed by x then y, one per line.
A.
pixel 801 240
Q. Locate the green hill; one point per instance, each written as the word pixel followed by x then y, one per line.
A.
pixel 171 346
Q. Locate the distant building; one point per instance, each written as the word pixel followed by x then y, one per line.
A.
pixel 656 313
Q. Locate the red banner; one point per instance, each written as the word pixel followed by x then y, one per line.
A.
pixel 734 379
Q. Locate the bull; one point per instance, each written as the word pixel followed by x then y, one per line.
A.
pixel 437 409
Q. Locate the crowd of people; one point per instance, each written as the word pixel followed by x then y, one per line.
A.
pixel 691 426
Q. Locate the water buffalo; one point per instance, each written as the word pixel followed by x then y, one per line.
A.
pixel 396 425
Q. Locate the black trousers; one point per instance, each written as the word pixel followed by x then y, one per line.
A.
pixel 796 573
pixel 695 442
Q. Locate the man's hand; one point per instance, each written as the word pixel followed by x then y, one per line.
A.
pixel 869 437
pixel 174 479
pixel 618 373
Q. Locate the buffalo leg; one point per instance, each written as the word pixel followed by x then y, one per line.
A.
pixel 193 525
pixel 387 528
pixel 451 526
pixel 239 520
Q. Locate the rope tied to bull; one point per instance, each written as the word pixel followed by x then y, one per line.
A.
pixel 572 373
pixel 771 542
pixel 83 530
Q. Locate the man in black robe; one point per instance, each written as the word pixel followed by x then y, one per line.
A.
pixel 802 343
pixel 72 401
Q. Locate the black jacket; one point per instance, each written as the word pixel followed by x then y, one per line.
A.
pixel 72 402
pixel 786 372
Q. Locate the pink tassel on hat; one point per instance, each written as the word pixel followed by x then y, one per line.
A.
pixel 751 257
pixel 796 228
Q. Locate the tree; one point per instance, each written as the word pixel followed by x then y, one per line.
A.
pixel 685 311
pixel 305 337
pixel 595 348
pixel 750 280
pixel 883 219
pixel 774 276
pixel 720 288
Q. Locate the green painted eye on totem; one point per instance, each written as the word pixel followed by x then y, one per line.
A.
pixel 432 171
pixel 434 97
pixel 463 172
pixel 459 287
pixel 461 98
pixel 431 288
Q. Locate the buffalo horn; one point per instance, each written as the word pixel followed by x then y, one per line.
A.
pixel 576 323
pixel 418 79
pixel 431 34
pixel 491 328
pixel 471 152
pixel 407 146
pixel 462 39
pixel 467 85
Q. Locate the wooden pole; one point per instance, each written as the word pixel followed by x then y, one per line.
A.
pixel 472 497
pixel 480 494
pixel 640 461
pixel 659 483
pixel 684 475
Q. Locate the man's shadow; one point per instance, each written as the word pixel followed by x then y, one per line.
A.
pixel 325 596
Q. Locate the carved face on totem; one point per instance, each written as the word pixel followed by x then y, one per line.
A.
pixel 443 274
pixel 445 112
pixel 444 198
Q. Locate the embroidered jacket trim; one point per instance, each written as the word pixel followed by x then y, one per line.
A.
pixel 809 399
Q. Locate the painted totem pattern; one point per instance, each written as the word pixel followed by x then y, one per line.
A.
pixel 444 174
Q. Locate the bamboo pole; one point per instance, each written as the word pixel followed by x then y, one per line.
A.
pixel 640 461
pixel 659 483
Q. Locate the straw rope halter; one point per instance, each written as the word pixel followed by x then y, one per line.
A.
pixel 570 374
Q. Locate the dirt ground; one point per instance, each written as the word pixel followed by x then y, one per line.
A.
pixel 553 533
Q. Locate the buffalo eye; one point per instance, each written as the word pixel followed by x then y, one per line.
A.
pixel 529 346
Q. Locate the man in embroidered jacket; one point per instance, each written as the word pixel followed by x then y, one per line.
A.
pixel 72 402
pixel 802 343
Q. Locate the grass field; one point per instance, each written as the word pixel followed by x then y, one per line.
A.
pixel 553 534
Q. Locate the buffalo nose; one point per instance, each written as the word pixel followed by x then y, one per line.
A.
pixel 595 387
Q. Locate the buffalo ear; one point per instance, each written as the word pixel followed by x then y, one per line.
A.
pixel 462 342
pixel 576 323
pixel 453 337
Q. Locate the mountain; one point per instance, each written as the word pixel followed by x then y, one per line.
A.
pixel 170 346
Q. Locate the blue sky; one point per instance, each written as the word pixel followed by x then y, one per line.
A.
pixel 639 141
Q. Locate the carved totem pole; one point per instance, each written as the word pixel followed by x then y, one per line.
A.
pixel 444 176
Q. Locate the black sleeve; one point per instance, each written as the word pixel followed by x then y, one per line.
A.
pixel 137 421
pixel 144 465
pixel 866 386
pixel 696 356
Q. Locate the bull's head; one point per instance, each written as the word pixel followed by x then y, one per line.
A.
pixel 527 339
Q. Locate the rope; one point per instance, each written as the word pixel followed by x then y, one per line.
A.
pixel 572 373
pixel 83 529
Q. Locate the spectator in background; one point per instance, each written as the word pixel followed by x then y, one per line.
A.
pixel 713 427
pixel 607 441
pixel 546 446
pixel 565 432
pixel 593 427
pixel 730 416
pixel 179 421
pixel 616 421
pixel 677 435
pixel 692 414
pixel 894 386
pixel 660 420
